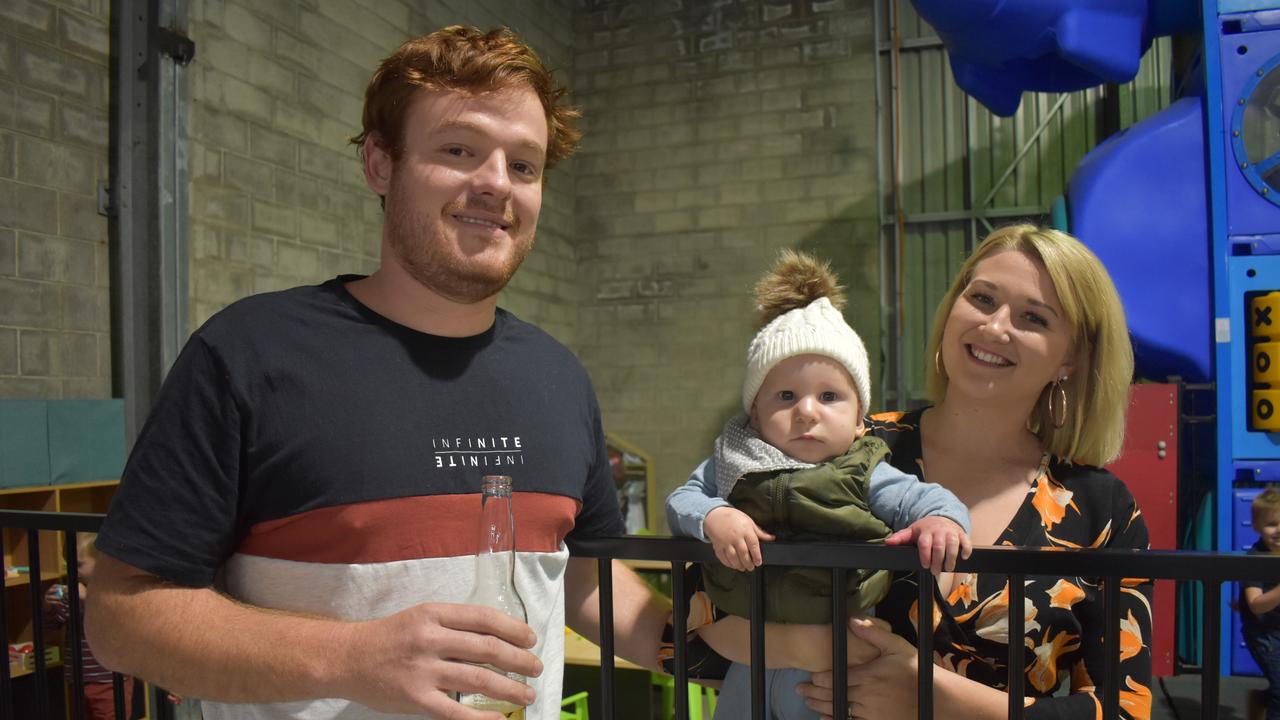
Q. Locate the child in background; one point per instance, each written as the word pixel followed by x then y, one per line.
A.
pixel 98 694
pixel 1260 601
pixel 797 466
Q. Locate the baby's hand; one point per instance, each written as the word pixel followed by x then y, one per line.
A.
pixel 735 538
pixel 939 539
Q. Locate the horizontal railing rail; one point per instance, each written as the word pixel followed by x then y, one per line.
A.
pixel 1211 569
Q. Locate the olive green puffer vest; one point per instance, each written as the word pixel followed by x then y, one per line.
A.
pixel 824 503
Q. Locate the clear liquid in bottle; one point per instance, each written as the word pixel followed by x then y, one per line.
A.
pixel 495 584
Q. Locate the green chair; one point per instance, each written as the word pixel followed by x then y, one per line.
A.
pixel 667 684
pixel 574 707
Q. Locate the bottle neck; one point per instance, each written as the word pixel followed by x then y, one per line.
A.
pixel 495 554
pixel 497 524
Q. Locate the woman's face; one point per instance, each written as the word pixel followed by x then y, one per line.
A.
pixel 1007 336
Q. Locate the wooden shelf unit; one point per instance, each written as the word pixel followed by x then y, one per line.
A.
pixel 89 497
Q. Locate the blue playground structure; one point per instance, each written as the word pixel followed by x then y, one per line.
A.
pixel 1183 207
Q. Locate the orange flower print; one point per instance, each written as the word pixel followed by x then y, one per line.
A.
pixel 1103 536
pixel 701 612
pixel 1130 637
pixel 1135 594
pixel 1043 674
pixel 888 417
pixel 1136 700
pixel 1052 501
pixel 965 591
pixel 955 662
pixel 1064 594
pixel 993 620
pixel 1080 680
pixel 1133 516
pixel 1097 706
pixel 914 614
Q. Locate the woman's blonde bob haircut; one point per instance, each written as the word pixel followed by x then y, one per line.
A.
pixel 1098 389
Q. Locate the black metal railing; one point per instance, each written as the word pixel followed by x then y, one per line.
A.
pixel 1211 569
pixel 69 524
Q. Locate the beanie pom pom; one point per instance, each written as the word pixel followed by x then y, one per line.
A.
pixel 796 280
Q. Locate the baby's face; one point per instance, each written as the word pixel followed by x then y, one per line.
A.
pixel 808 408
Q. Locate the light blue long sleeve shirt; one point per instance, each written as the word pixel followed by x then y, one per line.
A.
pixel 895 497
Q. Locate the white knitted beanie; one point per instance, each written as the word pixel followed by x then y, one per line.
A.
pixel 818 329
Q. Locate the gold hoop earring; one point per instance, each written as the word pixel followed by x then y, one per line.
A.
pixel 1058 415
pixel 937 361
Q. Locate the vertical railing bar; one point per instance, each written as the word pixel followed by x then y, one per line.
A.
pixel 117 693
pixel 757 644
pixel 1111 647
pixel 37 622
pixel 1211 626
pixel 6 682
pixel 839 639
pixel 679 614
pixel 924 642
pixel 1017 631
pixel 606 637
pixel 75 620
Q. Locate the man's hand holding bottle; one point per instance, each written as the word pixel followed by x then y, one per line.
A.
pixel 427 653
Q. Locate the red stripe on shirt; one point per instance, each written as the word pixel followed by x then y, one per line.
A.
pixel 432 526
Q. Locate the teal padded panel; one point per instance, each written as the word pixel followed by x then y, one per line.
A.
pixel 86 440
pixel 24 443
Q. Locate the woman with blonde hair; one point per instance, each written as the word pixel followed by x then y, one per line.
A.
pixel 1029 368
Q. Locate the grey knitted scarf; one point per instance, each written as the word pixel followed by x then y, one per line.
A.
pixel 740 450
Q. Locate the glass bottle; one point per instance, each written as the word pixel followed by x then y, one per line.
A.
pixel 495 584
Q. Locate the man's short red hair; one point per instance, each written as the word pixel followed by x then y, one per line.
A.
pixel 463 59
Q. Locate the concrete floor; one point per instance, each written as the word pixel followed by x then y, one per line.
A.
pixel 1184 691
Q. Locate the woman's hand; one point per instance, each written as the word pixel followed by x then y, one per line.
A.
pixel 882 689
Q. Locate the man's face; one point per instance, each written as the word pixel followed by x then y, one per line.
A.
pixel 462 202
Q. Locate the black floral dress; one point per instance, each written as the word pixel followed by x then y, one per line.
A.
pixel 1067 506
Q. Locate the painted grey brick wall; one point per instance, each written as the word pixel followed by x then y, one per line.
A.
pixel 718 133
pixel 278 198
pixel 54 318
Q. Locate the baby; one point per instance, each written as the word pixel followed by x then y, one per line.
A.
pixel 797 466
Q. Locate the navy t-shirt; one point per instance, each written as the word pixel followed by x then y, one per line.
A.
pixel 293 401
pixel 1269 621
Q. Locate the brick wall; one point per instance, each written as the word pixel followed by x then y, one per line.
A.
pixel 278 198
pixel 718 133
pixel 54 311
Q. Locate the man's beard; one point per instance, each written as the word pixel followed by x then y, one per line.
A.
pixel 434 263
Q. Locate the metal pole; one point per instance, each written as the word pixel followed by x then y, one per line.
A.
pixel 1017 630
pixel 757 644
pixel 839 639
pixel 1026 148
pixel 606 638
pixel 75 622
pixel 679 613
pixel 924 642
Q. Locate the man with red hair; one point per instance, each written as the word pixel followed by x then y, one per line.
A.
pixel 297 522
